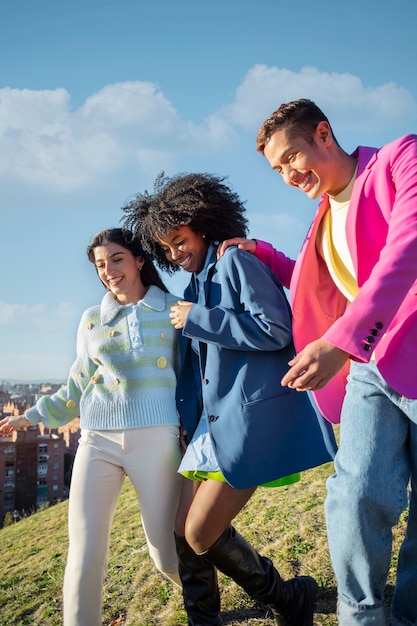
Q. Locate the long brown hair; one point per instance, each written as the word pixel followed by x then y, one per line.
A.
pixel 126 239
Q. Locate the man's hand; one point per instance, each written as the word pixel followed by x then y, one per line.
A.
pixel 244 244
pixel 314 366
pixel 179 313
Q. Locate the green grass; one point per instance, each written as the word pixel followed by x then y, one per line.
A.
pixel 286 524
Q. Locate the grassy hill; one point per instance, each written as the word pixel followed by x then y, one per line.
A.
pixel 286 524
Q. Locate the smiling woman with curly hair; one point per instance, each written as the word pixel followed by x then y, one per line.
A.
pixel 244 429
pixel 203 202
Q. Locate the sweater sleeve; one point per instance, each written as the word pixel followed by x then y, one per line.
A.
pixel 64 405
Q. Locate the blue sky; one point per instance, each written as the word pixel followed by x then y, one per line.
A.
pixel 98 96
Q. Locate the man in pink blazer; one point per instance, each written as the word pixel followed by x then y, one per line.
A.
pixel 354 296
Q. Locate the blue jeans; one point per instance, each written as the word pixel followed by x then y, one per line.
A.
pixel 375 465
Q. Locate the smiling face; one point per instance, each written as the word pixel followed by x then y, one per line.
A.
pixel 306 165
pixel 118 270
pixel 185 248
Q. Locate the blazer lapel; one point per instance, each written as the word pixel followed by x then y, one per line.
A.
pixel 366 158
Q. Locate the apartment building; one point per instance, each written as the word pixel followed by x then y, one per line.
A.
pixel 36 463
pixel 32 468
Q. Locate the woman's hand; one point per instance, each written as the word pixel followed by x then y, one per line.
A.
pixel 183 439
pixel 14 422
pixel 244 244
pixel 179 313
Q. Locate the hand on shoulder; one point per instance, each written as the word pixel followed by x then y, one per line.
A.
pixel 244 244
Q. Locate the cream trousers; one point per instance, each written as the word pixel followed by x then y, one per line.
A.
pixel 150 458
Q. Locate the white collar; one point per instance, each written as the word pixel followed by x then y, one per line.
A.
pixel 154 298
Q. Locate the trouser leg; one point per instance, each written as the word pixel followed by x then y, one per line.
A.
pixel 95 488
pixel 367 494
pixel 404 604
pixel 152 457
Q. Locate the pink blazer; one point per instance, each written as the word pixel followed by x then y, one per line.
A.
pixel 381 233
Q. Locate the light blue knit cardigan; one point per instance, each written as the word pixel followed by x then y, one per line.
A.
pixel 124 375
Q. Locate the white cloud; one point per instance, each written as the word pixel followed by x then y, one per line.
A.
pixel 25 111
pixel 128 105
pixel 45 144
pixel 132 127
pixel 38 314
pixel 52 320
pixel 10 313
pixel 342 96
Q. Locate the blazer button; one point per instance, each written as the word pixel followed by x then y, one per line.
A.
pixel 366 347
pixel 370 339
pixel 379 325
pixel 212 418
pixel 205 381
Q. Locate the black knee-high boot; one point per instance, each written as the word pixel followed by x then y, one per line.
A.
pixel 292 601
pixel 199 586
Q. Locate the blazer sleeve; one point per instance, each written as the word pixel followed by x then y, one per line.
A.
pixel 392 277
pixel 252 314
pixel 281 265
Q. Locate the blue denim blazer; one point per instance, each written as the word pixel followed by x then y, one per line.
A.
pixel 260 431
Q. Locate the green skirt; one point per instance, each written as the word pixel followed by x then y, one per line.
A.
pixel 279 482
